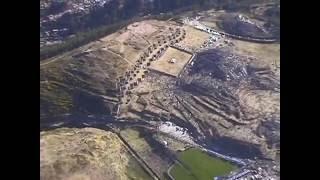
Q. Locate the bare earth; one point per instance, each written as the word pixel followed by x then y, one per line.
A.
pixel 163 65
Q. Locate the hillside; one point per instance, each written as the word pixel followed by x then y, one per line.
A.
pixel 87 154
pixel 165 85
pixel 84 81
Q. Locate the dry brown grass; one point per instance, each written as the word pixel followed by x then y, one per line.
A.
pixel 163 65
pixel 194 38
pixel 265 53
pixel 82 154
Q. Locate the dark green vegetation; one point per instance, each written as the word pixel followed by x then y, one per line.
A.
pixel 239 5
pixel 233 25
pixel 82 38
pixel 106 20
pixel 199 165
pixel 272 16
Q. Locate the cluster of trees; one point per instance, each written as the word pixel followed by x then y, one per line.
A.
pixel 104 20
pixel 273 20
pixel 115 11
pixel 79 39
pixel 55 7
pixel 85 37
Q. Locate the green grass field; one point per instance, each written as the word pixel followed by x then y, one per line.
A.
pixel 200 166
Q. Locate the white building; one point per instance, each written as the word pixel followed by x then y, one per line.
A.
pixel 173 60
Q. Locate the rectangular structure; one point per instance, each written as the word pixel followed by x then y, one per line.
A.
pixel 171 62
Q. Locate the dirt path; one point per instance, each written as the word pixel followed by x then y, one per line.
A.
pixel 60 57
pixel 118 56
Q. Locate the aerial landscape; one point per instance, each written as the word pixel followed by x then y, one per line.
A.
pixel 159 89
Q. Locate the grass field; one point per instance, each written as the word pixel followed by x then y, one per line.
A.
pixel 146 150
pixel 200 166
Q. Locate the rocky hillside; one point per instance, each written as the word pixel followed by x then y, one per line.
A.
pixel 79 84
pixel 222 94
pixel 84 81
pixel 161 86
pixel 86 154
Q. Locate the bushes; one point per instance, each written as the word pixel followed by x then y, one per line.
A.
pixel 104 15
pixel 85 37
pixel 80 39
